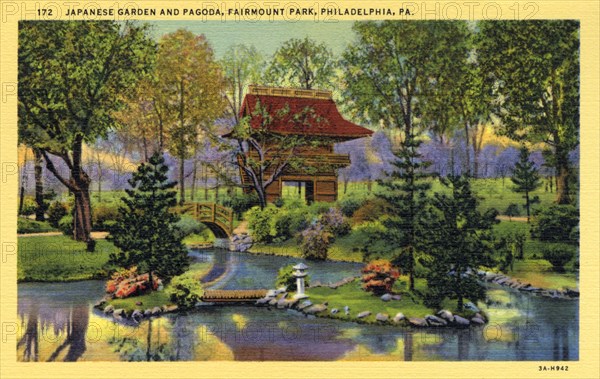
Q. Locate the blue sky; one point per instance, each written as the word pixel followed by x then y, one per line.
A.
pixel 266 36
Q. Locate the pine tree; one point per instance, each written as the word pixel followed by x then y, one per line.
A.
pixel 145 231
pixel 460 240
pixel 405 193
pixel 526 178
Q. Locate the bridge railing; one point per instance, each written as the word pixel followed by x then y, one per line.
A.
pixel 210 212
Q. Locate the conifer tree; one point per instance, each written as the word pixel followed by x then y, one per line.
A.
pixel 460 240
pixel 526 178
pixel 145 231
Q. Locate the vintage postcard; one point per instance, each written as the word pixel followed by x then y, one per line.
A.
pixel 299 189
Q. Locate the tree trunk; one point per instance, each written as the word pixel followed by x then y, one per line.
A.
pixel 345 186
pixel 527 204
pixel 563 195
pixel 39 187
pixel 82 218
pixel 194 174
pixel 467 155
pixel 181 180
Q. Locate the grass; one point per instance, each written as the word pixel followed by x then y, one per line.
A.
pixel 159 298
pixel 25 226
pixel 60 259
pixel 358 300
pixel 343 249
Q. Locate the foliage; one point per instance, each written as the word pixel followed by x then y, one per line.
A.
pixel 29 206
pixel 188 225
pixel 185 291
pixel 286 278
pixel 72 76
pixel 240 202
pixel 535 66
pixel 56 211
pixel 379 276
pixel 302 63
pixel 104 216
pixel 315 242
pixel 526 178
pixel 260 221
pixel 370 210
pixel 333 220
pixel 555 223
pixel 559 255
pixel 349 205
pixel 145 231
pixel 287 223
pixel 25 226
pixel 66 225
pixel 459 241
pixel 512 210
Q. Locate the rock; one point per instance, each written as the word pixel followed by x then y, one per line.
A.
pixel 263 301
pixel 398 317
pixel 281 290
pixel 363 314
pixel 572 292
pixel 417 321
pixel 305 304
pixel 396 297
pixel 137 315
pixel 460 321
pixel 138 303
pixel 109 309
pixel 156 311
pixel 289 303
pixel 119 312
pixel 446 315
pixel 435 321
pixel 171 308
pixel 313 309
pixel 381 317
pixel 472 307
pixel 273 301
pixel 282 302
pixel 386 297
pixel 477 320
pixel 147 313
pixel 99 303
pixel 271 293
pixel 346 310
pixel 480 316
pixel 334 311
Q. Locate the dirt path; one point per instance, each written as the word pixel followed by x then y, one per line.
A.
pixel 506 218
pixel 95 235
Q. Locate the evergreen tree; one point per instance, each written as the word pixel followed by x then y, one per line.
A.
pixel 145 231
pixel 460 240
pixel 526 179
pixel 405 193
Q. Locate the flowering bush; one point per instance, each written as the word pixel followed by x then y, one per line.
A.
pixel 334 221
pixel 379 276
pixel 126 282
pixel 315 242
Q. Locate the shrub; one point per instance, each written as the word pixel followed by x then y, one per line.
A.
pixel 379 276
pixel 371 210
pixel 334 221
pixel 555 223
pixel 66 225
pixel 512 210
pixel 103 216
pixel 240 203
pixel 350 205
pixel 260 223
pixel 188 225
pixel 56 211
pixel 184 291
pixel 315 242
pixel 29 206
pixel 279 202
pixel 25 226
pixel 558 255
pixel 288 223
pixel 285 278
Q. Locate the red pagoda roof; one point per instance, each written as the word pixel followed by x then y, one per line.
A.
pixel 311 112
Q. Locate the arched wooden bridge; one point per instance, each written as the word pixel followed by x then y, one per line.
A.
pixel 218 218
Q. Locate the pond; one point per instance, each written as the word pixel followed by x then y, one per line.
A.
pixel 58 323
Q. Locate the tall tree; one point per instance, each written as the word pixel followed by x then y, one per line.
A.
pixel 192 86
pixel 71 78
pixel 460 240
pixel 391 74
pixel 535 65
pixel 303 63
pixel 145 231
pixel 242 65
pixel 525 178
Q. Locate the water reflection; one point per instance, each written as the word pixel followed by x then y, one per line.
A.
pixel 59 324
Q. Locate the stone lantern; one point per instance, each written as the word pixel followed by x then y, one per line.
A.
pixel 299 274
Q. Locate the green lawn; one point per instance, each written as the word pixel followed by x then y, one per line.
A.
pixel 358 300
pixel 60 259
pixel 26 226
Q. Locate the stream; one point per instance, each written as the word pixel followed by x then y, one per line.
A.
pixel 58 323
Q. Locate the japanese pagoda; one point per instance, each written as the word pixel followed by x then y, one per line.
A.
pixel 320 163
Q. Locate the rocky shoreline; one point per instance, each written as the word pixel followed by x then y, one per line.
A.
pixel 524 287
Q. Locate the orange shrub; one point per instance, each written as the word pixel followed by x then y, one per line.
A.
pixel 379 276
